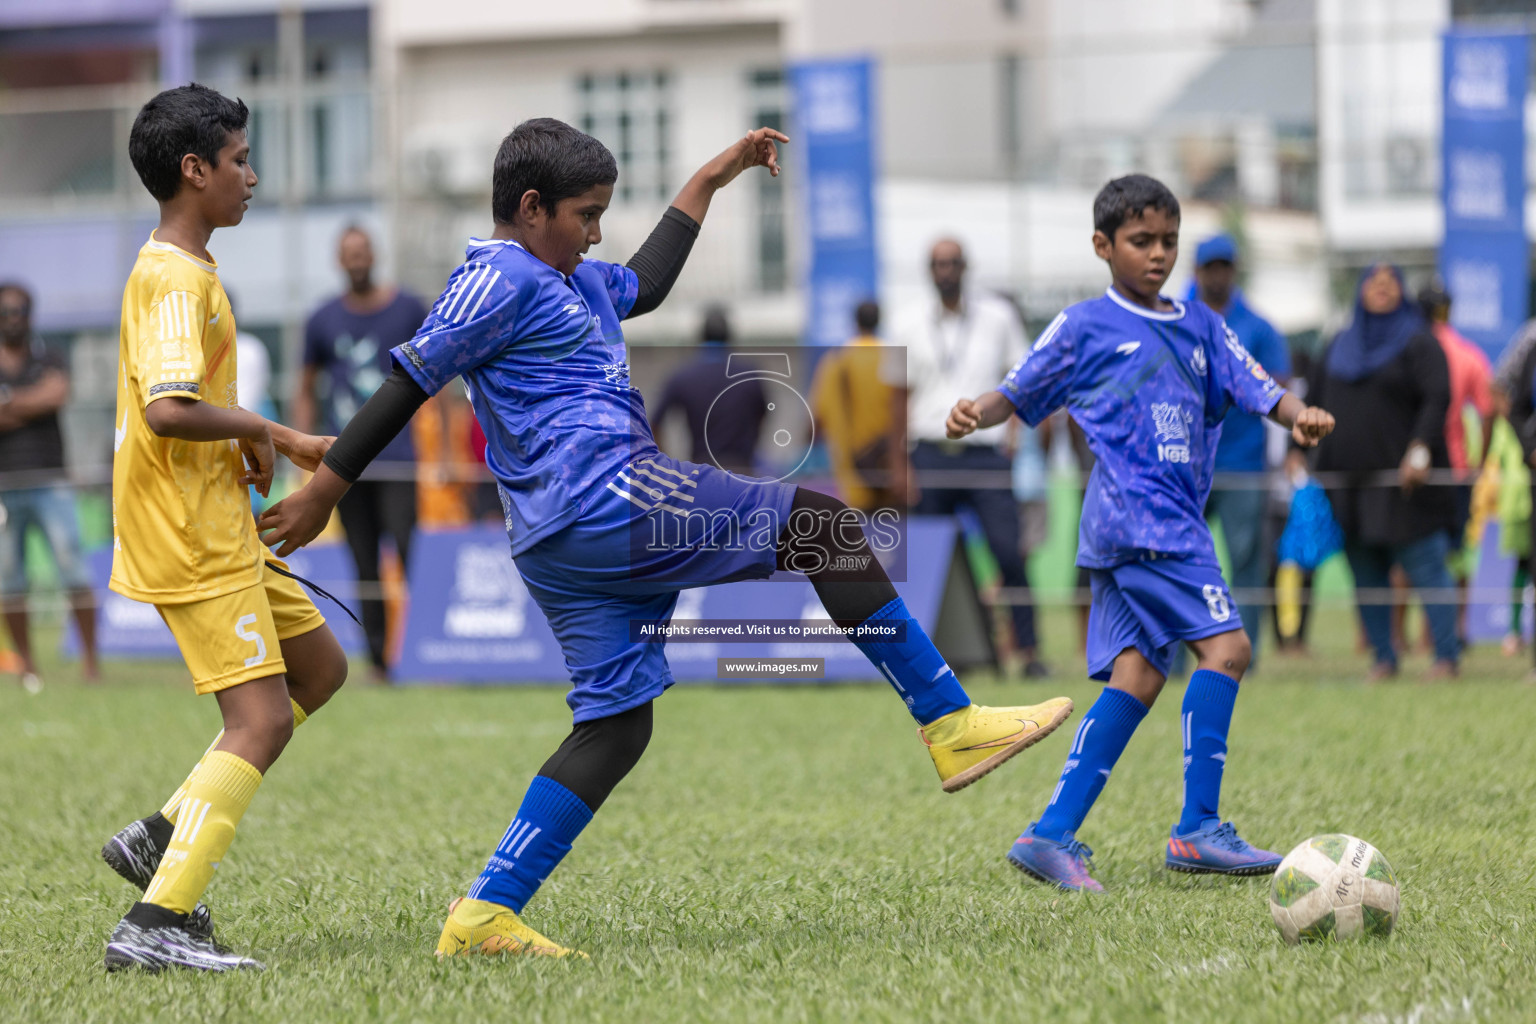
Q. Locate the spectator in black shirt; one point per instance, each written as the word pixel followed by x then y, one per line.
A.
pixel 34 492
pixel 1385 380
pixel 346 358
pixel 733 427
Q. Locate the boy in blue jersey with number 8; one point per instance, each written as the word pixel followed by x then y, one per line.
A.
pixel 1148 379
pixel 605 529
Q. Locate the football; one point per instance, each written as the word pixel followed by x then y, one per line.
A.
pixel 1334 887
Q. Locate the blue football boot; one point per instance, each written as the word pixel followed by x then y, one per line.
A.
pixel 1063 864
pixel 1217 849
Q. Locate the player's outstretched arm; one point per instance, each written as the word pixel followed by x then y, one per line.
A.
pixel 300 517
pixel 660 258
pixel 755 149
pixel 1307 423
pixel 972 414
pixel 188 419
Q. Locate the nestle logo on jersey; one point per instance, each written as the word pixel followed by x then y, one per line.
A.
pixel 1171 421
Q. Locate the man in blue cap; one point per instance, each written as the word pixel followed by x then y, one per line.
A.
pixel 1240 491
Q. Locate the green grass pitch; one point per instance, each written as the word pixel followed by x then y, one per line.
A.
pixel 782 854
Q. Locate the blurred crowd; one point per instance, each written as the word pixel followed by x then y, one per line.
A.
pixel 1433 445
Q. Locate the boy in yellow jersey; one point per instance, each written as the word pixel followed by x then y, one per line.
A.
pixel 183 536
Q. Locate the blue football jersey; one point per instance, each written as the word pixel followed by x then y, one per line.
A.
pixel 544 361
pixel 1149 390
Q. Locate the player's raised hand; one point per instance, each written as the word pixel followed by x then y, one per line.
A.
pixel 1311 426
pixel 259 458
pixel 755 149
pixel 963 418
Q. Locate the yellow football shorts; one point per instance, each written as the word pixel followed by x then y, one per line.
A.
pixel 235 638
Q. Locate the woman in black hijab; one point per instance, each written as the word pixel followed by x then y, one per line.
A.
pixel 1385 380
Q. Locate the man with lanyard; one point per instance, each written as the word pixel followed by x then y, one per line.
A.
pixel 962 342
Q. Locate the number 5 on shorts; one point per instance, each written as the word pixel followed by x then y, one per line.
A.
pixel 253 636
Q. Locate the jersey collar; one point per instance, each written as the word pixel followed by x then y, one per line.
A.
pixel 477 243
pixel 176 250
pixel 1131 307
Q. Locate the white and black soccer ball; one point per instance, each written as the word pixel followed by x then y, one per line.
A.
pixel 1334 887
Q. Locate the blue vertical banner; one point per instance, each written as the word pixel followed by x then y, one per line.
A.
pixel 834 133
pixel 1485 258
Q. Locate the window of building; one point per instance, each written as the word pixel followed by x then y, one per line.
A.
pixel 630 113
pixel 766 90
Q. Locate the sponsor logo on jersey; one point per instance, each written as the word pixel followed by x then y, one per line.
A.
pixel 1171 421
pixel 1128 347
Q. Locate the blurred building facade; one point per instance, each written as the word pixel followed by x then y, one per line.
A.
pixel 1308 127
pixel 73 215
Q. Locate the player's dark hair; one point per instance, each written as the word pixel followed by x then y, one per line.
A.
pixel 19 289
pixel 551 158
pixel 187 119
pixel 866 315
pixel 1125 198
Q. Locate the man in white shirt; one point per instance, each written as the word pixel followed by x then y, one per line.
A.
pixel 963 342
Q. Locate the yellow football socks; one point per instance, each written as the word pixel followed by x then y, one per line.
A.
pixel 218 793
pixel 173 805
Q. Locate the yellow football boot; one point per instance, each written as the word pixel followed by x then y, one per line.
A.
pixel 475 926
pixel 969 743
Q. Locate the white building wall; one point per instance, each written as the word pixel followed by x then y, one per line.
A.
pixel 1379 64
pixel 1093 75
pixel 454 104
pixel 417 23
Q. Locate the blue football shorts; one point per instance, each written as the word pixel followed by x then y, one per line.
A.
pixel 658 527
pixel 1153 604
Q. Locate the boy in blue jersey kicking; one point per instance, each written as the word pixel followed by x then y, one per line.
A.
pixel 1148 379
pixel 605 529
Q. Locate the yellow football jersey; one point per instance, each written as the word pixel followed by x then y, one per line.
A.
pixel 181 522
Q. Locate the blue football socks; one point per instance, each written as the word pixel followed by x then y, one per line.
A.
pixel 549 820
pixel 913 665
pixel 1207 715
pixel 1100 740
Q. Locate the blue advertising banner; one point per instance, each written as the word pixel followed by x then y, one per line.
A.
pixel 834 132
pixel 129 628
pixel 472 619
pixel 1485 258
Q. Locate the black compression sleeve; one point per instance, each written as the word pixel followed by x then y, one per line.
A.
pixel 660 259
pixel 850 581
pixel 599 752
pixel 381 418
